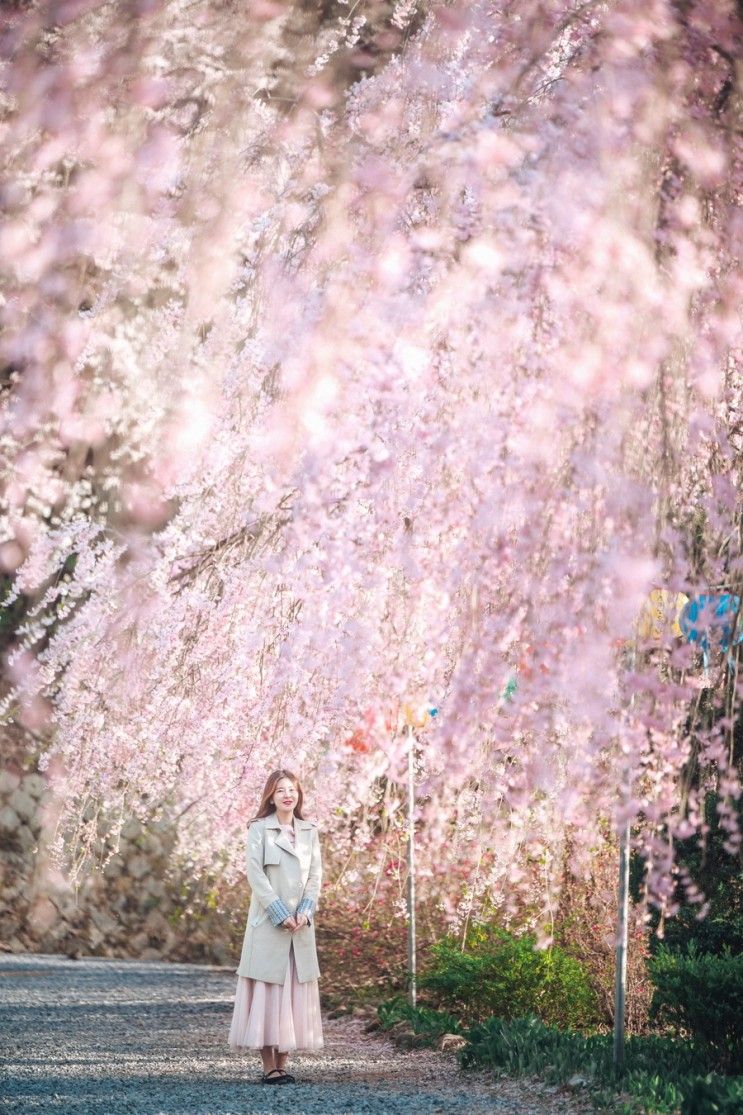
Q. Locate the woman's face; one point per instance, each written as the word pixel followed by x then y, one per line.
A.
pixel 285 795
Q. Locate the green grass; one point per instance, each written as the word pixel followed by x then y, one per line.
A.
pixel 425 1021
pixel 661 1075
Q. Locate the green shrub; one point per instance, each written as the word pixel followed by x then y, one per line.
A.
pixel 713 1095
pixel 504 975
pixel 526 1045
pixel 716 873
pixel 702 995
pixel 423 1020
pixel 527 1042
pixel 661 1075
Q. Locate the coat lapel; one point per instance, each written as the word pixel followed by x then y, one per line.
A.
pixel 302 830
pixel 284 842
pixel 279 839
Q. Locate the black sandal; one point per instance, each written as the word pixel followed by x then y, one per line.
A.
pixel 287 1077
pixel 268 1077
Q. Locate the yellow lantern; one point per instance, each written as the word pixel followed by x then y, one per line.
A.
pixel 660 614
pixel 418 716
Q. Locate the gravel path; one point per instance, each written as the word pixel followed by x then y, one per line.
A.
pixel 123 1037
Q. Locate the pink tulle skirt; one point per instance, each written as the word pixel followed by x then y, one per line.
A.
pixel 285 1015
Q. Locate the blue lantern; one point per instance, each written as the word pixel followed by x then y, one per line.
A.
pixel 708 620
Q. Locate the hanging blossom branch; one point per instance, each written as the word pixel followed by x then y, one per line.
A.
pixel 403 394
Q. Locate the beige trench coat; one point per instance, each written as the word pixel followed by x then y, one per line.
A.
pixel 283 880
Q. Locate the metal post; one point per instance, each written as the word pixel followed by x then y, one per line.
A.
pixel 620 976
pixel 620 968
pixel 411 868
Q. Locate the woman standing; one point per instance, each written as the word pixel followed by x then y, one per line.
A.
pixel 277 1001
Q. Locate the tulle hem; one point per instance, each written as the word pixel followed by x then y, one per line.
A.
pixel 286 1015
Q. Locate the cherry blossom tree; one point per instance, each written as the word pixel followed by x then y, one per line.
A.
pixel 355 364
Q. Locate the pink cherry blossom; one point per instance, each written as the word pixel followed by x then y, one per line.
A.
pixel 333 385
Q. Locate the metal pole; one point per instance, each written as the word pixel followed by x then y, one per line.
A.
pixel 411 868
pixel 620 967
pixel 620 975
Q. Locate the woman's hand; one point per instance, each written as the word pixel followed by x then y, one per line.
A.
pixel 290 923
pixel 301 919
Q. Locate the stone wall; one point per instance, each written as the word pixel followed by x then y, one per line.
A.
pixel 142 904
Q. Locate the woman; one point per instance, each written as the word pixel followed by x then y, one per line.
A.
pixel 277 1001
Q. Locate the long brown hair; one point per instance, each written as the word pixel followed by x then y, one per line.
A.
pixel 267 807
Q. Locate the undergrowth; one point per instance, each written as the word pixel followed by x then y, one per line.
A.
pixel 661 1074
